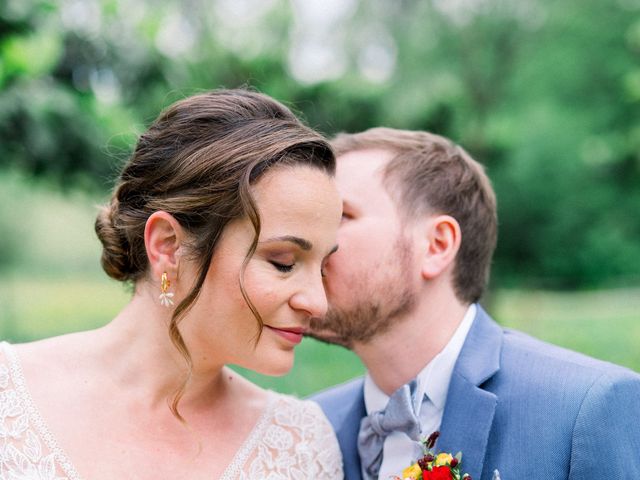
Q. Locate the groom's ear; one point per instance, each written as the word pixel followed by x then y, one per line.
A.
pixel 163 237
pixel 443 236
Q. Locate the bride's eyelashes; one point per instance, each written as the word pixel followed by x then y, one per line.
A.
pixel 282 267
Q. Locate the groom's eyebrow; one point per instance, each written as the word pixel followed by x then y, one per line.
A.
pixel 301 242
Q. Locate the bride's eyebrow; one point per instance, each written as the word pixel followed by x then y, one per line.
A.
pixel 301 242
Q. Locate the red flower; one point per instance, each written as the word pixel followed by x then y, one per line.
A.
pixel 438 473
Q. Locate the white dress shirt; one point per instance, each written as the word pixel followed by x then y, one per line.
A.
pixel 431 395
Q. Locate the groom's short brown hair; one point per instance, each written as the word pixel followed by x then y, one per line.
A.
pixel 430 174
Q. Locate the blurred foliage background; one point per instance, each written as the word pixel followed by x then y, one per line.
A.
pixel 546 94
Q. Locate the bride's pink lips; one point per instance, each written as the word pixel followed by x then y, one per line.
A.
pixel 293 334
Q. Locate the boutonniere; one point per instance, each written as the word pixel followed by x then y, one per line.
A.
pixel 432 466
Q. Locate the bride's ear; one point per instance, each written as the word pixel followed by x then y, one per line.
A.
pixel 163 237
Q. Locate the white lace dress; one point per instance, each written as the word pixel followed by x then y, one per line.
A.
pixel 291 440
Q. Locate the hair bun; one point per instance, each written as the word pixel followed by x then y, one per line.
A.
pixel 115 260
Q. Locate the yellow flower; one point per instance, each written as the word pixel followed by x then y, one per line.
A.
pixel 413 472
pixel 443 459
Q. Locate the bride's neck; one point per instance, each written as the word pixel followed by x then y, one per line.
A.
pixel 138 357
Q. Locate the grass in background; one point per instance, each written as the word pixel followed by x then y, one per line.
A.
pixel 44 232
pixel 38 308
pixel 604 324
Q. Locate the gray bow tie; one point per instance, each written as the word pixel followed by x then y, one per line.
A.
pixel 399 416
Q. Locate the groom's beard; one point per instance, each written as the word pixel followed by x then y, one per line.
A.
pixel 381 299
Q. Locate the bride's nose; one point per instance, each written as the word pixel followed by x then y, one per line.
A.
pixel 310 296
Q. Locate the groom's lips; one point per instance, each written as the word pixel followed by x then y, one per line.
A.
pixel 293 334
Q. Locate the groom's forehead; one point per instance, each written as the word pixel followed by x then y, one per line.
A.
pixel 362 168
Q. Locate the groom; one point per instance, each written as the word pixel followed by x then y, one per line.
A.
pixel 416 241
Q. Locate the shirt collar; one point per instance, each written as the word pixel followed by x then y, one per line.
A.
pixel 433 380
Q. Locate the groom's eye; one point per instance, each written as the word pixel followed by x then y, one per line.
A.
pixel 323 266
pixel 323 272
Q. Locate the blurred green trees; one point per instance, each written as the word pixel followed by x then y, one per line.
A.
pixel 546 94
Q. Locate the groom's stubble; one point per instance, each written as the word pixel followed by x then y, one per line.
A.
pixel 382 296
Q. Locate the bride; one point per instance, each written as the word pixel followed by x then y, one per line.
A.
pixel 222 221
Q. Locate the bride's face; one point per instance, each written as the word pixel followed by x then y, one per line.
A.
pixel 300 211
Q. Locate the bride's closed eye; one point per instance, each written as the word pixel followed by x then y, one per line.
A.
pixel 282 267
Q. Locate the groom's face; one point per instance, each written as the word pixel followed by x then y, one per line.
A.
pixel 370 280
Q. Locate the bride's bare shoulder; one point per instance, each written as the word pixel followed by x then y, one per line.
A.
pixel 44 360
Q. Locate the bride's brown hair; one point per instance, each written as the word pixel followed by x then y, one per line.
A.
pixel 197 162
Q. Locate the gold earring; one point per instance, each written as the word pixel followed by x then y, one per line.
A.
pixel 165 295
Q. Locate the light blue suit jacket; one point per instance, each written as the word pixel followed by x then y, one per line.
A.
pixel 524 407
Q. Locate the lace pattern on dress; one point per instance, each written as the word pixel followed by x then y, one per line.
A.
pixel 21 427
pixel 296 441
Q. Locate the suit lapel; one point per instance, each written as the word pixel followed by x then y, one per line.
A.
pixel 347 430
pixel 469 411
